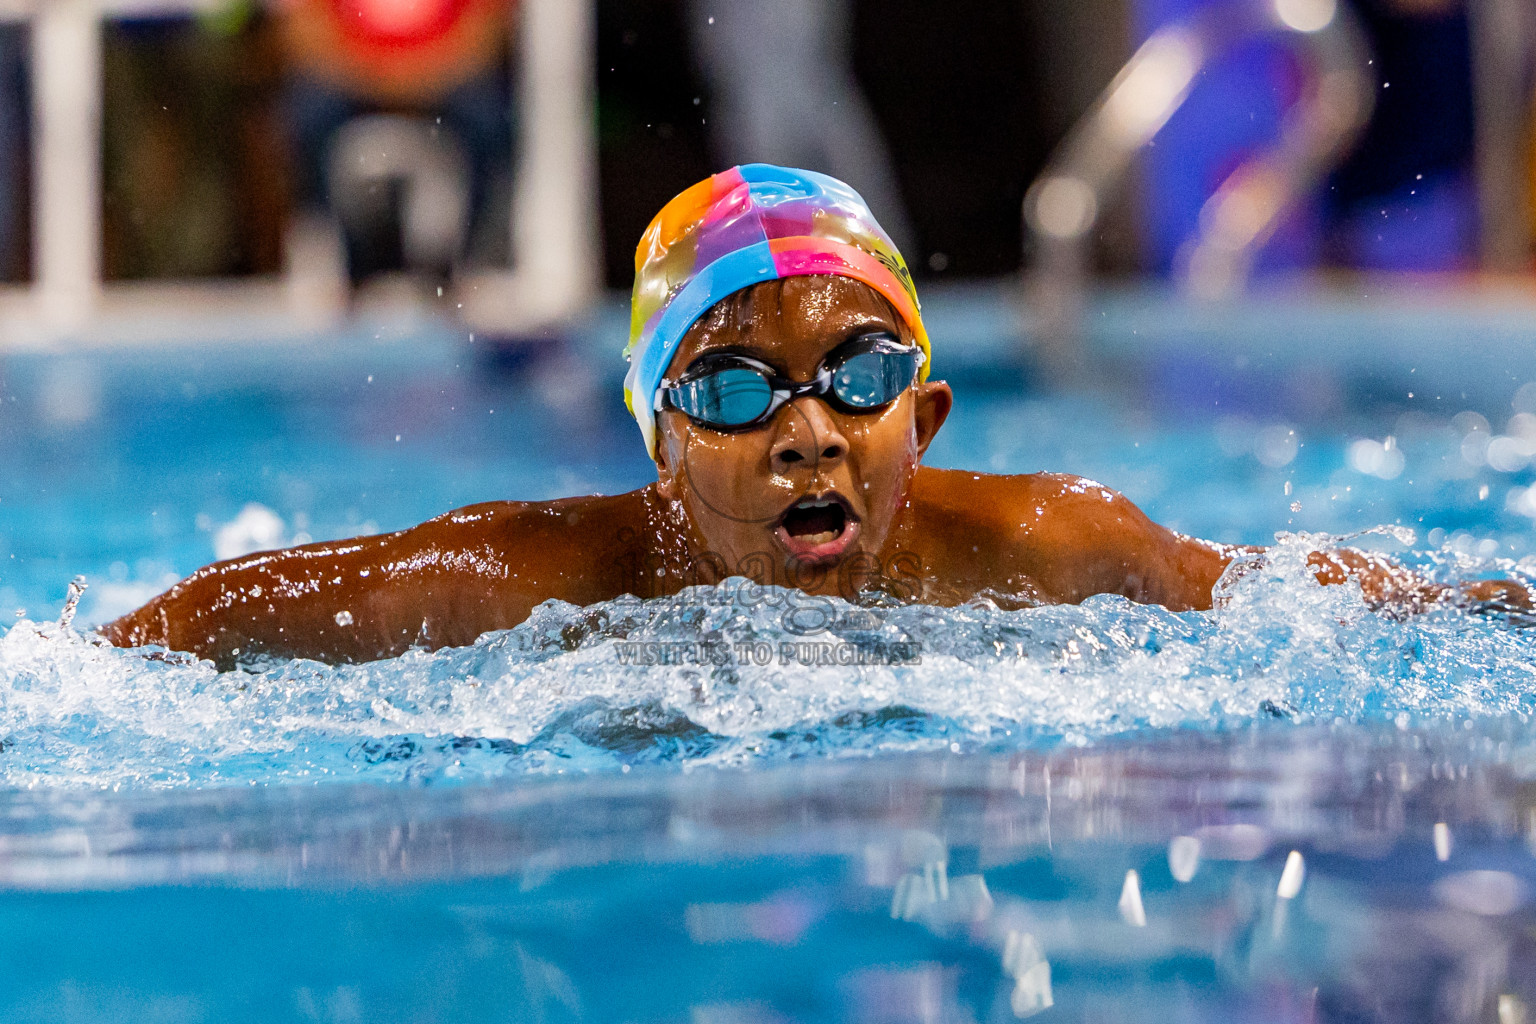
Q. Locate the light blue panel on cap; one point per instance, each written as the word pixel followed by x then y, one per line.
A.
pixel 727 275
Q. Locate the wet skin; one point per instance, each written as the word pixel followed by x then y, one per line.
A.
pixel 827 501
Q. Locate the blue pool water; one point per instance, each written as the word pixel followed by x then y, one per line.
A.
pixel 1087 812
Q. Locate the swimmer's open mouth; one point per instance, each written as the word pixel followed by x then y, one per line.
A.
pixel 818 528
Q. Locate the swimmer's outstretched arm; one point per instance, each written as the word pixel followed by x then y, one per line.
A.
pixel 1087 539
pixel 1391 587
pixel 439 584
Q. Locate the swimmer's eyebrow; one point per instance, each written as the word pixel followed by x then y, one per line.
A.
pixel 834 337
pixel 866 323
pixel 729 350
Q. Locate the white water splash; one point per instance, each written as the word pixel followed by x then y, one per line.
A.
pixel 256 528
pixel 563 691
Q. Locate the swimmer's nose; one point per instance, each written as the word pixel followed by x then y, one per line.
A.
pixel 807 434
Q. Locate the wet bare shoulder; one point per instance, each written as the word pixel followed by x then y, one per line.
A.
pixel 1022 505
pixel 562 538
pixel 1072 537
pixel 1011 533
pixel 493 514
pixel 443 582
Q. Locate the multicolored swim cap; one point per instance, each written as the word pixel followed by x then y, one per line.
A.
pixel 753 223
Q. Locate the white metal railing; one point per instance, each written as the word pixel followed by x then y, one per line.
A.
pixel 553 230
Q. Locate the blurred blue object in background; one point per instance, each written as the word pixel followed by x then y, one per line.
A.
pixel 1234 112
pixel 1403 200
pixel 1424 225
pixel 1406 199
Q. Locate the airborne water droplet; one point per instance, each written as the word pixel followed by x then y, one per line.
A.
pixel 72 601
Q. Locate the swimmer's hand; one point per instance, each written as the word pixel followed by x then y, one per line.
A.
pixel 1396 590
pixel 1505 600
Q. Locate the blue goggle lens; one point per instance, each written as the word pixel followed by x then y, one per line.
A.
pixel 730 397
pixel 872 379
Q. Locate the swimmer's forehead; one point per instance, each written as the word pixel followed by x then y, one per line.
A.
pixel 793 322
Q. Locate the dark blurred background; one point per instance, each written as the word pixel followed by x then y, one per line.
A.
pixel 221 125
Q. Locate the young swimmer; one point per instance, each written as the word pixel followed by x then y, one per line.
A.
pixel 779 374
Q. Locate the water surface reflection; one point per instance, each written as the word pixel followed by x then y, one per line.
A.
pixel 1283 874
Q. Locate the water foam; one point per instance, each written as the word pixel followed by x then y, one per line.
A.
pixel 680 681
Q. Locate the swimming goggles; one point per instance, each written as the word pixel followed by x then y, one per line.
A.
pixel 729 392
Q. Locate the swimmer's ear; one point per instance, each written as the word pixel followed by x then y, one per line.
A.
pixel 934 400
pixel 666 478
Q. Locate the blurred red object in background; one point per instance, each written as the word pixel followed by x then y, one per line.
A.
pixel 399 23
pixel 400 51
